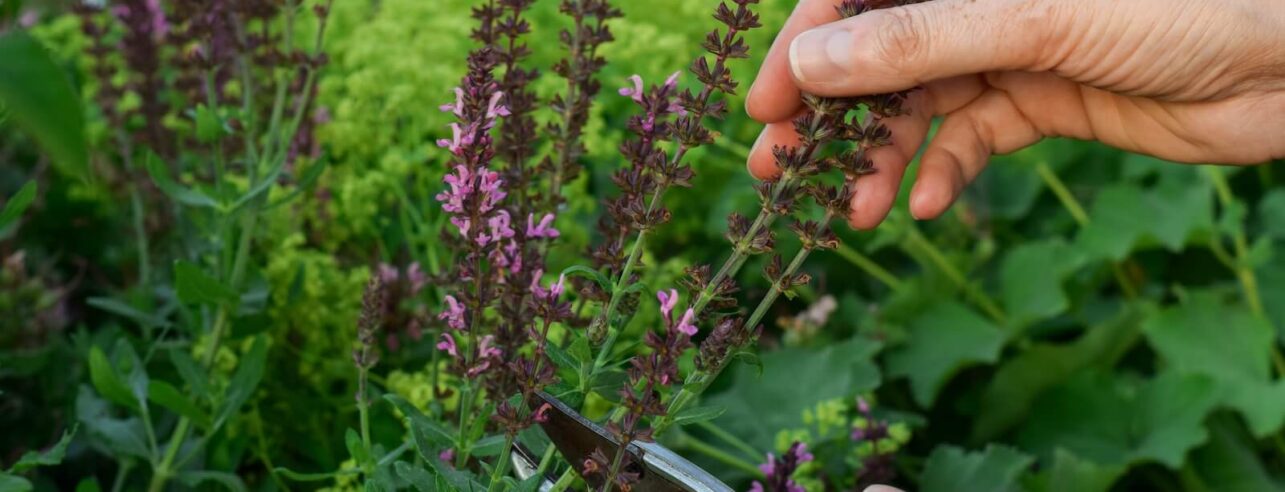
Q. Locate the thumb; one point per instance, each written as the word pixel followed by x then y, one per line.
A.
pixel 898 48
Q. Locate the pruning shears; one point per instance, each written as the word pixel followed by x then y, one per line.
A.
pixel 576 437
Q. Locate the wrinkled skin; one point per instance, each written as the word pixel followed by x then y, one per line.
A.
pixel 1197 81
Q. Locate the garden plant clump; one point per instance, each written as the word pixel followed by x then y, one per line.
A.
pixel 353 245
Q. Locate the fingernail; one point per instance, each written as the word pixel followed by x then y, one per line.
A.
pixel 821 54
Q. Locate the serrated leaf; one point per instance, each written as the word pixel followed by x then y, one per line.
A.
pixel 123 437
pixel 1069 473
pixel 1022 379
pixel 17 204
pixel 108 382
pixel 1123 216
pixel 421 479
pixel 40 97
pixel 1031 278
pixel 1231 346
pixel 995 469
pixel 194 286
pixel 940 342
pixel 160 175
pixel 166 395
pixel 48 457
pixel 757 407
pixel 1117 421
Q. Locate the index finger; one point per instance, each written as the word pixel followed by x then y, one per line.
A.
pixel 774 97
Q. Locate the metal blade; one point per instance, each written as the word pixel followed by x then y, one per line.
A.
pixel 662 470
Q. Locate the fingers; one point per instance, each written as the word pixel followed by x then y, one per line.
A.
pixel 875 193
pixel 762 164
pixel 774 98
pixel 957 154
pixel 898 48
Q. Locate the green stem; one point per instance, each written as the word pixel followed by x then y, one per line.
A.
pixel 565 480
pixel 870 267
pixel 722 456
pixel 729 438
pixel 938 260
pixel 503 466
pixel 122 472
pixel 1081 217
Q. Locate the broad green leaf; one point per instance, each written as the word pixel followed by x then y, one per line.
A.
pixel 1118 421
pixel 429 436
pixel 209 127
pixel 40 97
pixel 696 415
pixel 191 373
pixel 488 446
pixel 1124 216
pixel 17 204
pixel 1007 188
pixel 108 382
pixel 48 457
pixel 14 483
pixel 166 395
pixel 356 450
pixel 226 480
pixel 194 286
pixel 1229 345
pixel 124 437
pixel 1270 210
pixel 940 342
pixel 160 175
pixel 1031 279
pixel 759 406
pixel 245 380
pixel 1230 462
pixel 1069 473
pixel 1019 381
pixel 995 469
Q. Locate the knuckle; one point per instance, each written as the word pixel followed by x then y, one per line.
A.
pixel 901 38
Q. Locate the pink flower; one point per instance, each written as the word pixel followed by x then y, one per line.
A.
pixel 456 142
pixel 542 413
pixel 485 350
pixel 552 293
pixel 448 345
pixel 454 314
pixel 494 108
pixel 544 229
pixel 636 92
pixel 668 300
pixel 687 325
pixel 417 277
pixel 388 274
pixel 447 456
pixel 458 107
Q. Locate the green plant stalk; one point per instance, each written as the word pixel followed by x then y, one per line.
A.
pixel 722 456
pixel 729 438
pixel 502 467
pixel 122 472
pixel 363 411
pixel 870 267
pixel 938 260
pixel 565 480
pixel 1073 207
pixel 699 380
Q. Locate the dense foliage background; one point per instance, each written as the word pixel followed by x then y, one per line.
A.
pixel 1084 319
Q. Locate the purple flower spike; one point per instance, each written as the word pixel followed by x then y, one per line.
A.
pixel 448 345
pixel 636 92
pixel 668 300
pixel 542 230
pixel 687 325
pixel 454 314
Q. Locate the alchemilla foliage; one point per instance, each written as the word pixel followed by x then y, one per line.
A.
pixel 346 245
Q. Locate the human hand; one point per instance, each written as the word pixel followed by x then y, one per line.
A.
pixel 1183 80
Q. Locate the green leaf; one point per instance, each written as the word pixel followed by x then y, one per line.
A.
pixel 14 483
pixel 48 457
pixel 1232 347
pixel 166 395
pixel 1069 473
pixel 195 287
pixel 429 436
pixel 209 127
pixel 1031 278
pixel 596 276
pixel 125 310
pixel 1124 217
pixel 488 446
pixel 1270 210
pixel 191 373
pixel 227 480
pixel 89 484
pixel 696 415
pixel 421 479
pixel 356 450
pixel 315 477
pixel 124 437
pixel 17 204
pixel 1118 421
pixel 1230 462
pixel 757 407
pixel 244 381
pixel 160 175
pixel 580 350
pixel 995 469
pixel 940 342
pixel 108 382
pixel 1019 381
pixel 40 97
